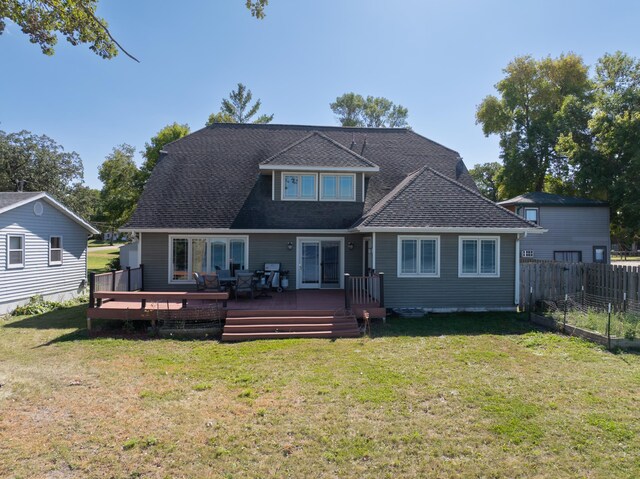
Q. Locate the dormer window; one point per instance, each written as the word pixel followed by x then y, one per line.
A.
pixel 531 214
pixel 337 187
pixel 297 186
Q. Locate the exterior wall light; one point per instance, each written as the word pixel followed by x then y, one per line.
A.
pixel 289 245
pixel 350 245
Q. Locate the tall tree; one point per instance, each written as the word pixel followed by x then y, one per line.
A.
pixel 489 180
pixel 237 109
pixel 39 162
pixel 607 156
pixel 84 201
pixel 119 194
pixel 151 152
pixel 528 117
pixel 353 109
pixel 76 20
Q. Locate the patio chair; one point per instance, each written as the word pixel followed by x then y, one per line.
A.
pixel 212 282
pixel 244 283
pixel 200 286
pixel 266 287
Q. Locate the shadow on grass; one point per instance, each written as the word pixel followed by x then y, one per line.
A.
pixel 468 324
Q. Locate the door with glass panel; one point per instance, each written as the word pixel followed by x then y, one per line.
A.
pixel 309 264
pixel 319 263
pixel 330 264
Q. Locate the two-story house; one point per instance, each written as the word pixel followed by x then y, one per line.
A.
pixel 577 228
pixel 324 201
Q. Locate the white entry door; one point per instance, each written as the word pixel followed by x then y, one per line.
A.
pixel 320 263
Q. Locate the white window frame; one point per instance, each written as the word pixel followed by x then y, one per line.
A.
pixel 418 274
pixel 299 174
pixel 209 239
pixel 478 240
pixel 537 210
pixel 61 249
pixel 9 251
pixel 527 253
pixel 337 197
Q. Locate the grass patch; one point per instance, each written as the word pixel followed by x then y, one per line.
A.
pixel 444 396
pixel 98 261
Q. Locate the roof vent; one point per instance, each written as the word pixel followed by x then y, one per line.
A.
pixel 38 209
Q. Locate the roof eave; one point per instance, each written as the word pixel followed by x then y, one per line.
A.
pixel 448 229
pixel 353 169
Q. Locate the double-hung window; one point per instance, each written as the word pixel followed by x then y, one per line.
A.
pixel 299 186
pixel 418 256
pixel 337 187
pixel 203 254
pixel 15 251
pixel 479 256
pixel 55 250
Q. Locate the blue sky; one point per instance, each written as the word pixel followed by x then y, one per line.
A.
pixel 438 59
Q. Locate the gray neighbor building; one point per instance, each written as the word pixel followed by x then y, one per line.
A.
pixel 577 228
pixel 324 201
pixel 43 249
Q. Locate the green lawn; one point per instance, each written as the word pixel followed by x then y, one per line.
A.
pixel 98 261
pixel 447 396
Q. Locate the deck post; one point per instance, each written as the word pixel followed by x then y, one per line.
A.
pixel 113 280
pixel 347 288
pixel 92 289
pixel 128 278
pixel 141 277
pixel 381 275
pixel 88 324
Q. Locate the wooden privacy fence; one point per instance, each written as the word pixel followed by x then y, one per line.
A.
pixel 549 280
pixel 130 279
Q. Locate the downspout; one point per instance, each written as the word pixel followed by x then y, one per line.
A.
pixel 517 295
pixel 139 249
pixel 373 260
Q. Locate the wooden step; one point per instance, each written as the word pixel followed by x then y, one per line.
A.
pixel 299 334
pixel 287 319
pixel 267 327
pixel 243 313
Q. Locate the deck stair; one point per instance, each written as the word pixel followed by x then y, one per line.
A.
pixel 242 325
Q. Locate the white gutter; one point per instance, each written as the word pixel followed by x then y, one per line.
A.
pixel 234 231
pixel 439 229
pixel 269 167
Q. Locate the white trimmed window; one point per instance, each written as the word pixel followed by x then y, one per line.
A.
pixel 479 256
pixel 201 254
pixel 531 214
pixel 337 187
pixel 419 256
pixel 15 251
pixel 55 250
pixel 297 186
pixel 527 253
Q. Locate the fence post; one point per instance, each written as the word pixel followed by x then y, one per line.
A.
pixel 141 277
pixel 113 280
pixel 530 301
pixel 609 328
pixel 92 290
pixel 564 321
pixel 128 278
pixel 347 288
pixel 381 275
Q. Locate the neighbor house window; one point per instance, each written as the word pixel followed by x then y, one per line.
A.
pixel 55 250
pixel 527 253
pixel 15 251
pixel 567 256
pixel 418 256
pixel 205 255
pixel 599 254
pixel 299 186
pixel 531 214
pixel 337 187
pixel 479 256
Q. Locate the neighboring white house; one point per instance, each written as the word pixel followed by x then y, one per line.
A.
pixel 43 249
pixel 578 228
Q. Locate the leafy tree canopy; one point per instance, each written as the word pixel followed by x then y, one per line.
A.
pixel 237 109
pixel 75 20
pixel 119 194
pixel 488 179
pixel 535 107
pixel 40 162
pixel 151 152
pixel 353 109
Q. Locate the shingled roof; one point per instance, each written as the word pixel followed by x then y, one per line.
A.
pixel 318 151
pixel 212 179
pixel 549 199
pixel 428 199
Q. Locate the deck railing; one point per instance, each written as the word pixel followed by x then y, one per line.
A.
pixel 364 290
pixel 130 279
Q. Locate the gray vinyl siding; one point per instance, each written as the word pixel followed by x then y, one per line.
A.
pixel 37 277
pixel 263 248
pixel 573 228
pixel 278 185
pixel 448 291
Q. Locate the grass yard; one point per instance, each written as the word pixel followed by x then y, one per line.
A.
pixel 448 396
pixel 98 259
